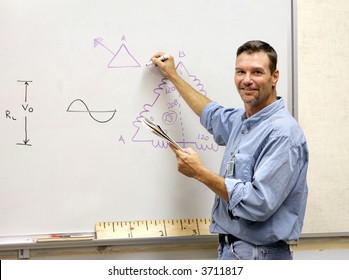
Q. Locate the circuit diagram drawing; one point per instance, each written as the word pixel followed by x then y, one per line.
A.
pixel 27 109
pixel 168 110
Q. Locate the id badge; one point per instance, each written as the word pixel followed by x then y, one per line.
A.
pixel 230 167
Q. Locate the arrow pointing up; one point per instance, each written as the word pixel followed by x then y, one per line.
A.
pixel 26 83
pixel 26 91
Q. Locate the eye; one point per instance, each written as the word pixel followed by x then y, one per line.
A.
pixel 239 72
pixel 258 72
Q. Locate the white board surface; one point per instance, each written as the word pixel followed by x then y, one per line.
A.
pixel 74 84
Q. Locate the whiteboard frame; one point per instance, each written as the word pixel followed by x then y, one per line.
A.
pixel 293 99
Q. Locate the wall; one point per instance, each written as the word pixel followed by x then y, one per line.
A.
pixel 323 98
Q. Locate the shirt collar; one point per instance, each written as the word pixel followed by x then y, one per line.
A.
pixel 249 123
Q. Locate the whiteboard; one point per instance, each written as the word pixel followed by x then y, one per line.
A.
pixel 74 85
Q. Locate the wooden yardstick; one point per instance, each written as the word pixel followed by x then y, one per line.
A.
pixel 152 228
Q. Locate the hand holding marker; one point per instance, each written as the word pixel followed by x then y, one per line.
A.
pixel 162 58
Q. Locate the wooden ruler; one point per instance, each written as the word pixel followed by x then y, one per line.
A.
pixel 152 228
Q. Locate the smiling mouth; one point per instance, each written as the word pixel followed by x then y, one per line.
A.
pixel 248 90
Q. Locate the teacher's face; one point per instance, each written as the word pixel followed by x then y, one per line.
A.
pixel 253 80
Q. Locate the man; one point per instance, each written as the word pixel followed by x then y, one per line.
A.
pixel 261 190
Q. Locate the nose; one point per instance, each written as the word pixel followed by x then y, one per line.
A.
pixel 247 80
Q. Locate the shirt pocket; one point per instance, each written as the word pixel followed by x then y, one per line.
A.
pixel 243 167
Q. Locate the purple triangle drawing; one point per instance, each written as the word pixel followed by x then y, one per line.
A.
pixel 123 58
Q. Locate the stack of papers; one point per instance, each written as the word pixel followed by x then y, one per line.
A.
pixel 156 129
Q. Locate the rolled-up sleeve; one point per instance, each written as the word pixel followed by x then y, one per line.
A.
pixel 274 175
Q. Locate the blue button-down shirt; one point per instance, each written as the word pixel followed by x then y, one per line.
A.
pixel 267 186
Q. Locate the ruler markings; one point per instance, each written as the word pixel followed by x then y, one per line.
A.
pixel 152 228
pixel 197 225
pixel 165 228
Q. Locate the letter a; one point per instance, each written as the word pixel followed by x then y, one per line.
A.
pixel 122 139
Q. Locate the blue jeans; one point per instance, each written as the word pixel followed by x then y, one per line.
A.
pixel 241 250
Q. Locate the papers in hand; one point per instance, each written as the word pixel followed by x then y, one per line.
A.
pixel 156 129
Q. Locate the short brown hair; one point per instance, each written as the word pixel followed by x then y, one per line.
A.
pixel 260 46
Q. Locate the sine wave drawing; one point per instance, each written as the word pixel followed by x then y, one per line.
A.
pixel 79 106
pixel 168 109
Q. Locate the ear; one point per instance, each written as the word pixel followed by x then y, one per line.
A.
pixel 275 77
